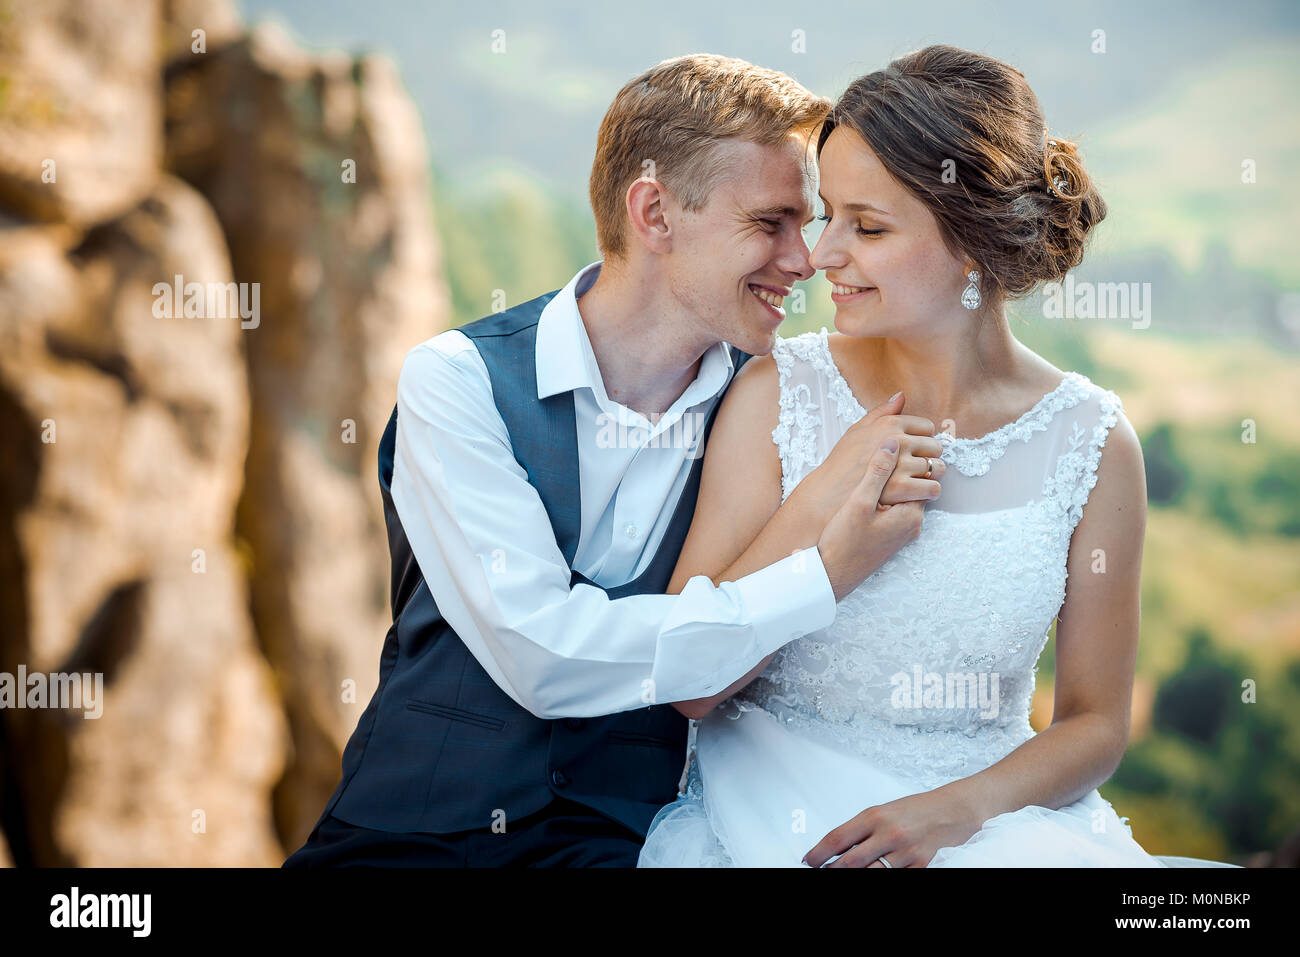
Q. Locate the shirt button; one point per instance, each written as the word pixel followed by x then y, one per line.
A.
pixel 630 531
pixel 559 778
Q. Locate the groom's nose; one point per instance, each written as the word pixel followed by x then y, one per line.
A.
pixel 794 260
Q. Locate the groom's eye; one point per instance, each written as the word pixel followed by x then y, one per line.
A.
pixel 770 225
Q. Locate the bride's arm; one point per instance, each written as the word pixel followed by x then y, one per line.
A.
pixel 1096 653
pixel 741 525
pixel 740 486
pixel 1096 650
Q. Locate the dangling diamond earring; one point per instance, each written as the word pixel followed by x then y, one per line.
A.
pixel 970 298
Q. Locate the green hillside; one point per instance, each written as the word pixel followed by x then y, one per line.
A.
pixel 1171 169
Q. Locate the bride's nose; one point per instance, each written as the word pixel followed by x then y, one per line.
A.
pixel 826 254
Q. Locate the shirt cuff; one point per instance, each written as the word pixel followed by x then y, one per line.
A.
pixel 788 599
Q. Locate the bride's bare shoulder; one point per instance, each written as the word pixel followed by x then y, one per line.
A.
pixel 740 442
pixel 756 375
pixel 752 399
pixel 1039 376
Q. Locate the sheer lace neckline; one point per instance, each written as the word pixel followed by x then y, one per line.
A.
pixel 972 455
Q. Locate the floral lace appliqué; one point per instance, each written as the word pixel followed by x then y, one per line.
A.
pixel 1001 576
pixel 973 456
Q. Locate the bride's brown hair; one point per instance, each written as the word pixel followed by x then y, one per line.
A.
pixel 1016 201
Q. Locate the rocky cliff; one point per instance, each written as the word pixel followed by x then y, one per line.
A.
pixel 215 251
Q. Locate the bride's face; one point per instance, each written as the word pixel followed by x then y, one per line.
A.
pixel 882 243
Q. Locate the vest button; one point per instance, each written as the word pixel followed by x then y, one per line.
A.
pixel 559 778
pixel 574 724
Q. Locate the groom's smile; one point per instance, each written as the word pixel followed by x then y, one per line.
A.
pixel 772 297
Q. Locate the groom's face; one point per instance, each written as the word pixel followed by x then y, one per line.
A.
pixel 734 261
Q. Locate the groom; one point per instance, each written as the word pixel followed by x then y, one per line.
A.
pixel 522 713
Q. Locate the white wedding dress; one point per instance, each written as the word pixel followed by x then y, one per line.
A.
pixel 927 673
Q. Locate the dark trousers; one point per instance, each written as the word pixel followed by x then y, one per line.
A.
pixel 562 834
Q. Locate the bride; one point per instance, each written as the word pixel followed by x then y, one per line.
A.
pixel 900 736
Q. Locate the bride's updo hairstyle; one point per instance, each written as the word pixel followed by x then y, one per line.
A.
pixel 964 133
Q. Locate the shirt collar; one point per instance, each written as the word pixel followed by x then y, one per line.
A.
pixel 566 361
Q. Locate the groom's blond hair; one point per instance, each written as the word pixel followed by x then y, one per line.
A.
pixel 668 122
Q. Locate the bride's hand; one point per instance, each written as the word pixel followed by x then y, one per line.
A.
pixel 906 832
pixel 829 485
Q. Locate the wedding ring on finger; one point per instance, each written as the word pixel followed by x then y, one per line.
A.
pixel 885 862
pixel 929 467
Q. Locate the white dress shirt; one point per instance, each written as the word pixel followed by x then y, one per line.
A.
pixel 489 555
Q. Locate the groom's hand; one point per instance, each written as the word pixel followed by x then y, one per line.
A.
pixel 828 486
pixel 864 532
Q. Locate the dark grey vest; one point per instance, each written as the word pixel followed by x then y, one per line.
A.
pixel 440 747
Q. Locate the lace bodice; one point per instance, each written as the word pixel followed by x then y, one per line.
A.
pixel 929 665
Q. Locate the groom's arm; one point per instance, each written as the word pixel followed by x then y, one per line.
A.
pixel 488 553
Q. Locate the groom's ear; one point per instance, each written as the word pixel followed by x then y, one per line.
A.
pixel 647 201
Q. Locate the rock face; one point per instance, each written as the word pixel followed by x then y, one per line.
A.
pixel 190 507
pixel 328 212
pixel 80 117
pixel 130 431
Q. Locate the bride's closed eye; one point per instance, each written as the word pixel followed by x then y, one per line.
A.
pixel 860 231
